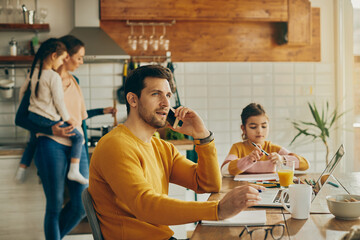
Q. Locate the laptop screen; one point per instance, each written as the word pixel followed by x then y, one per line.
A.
pixel 328 170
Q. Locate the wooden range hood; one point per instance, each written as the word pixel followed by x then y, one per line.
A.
pixel 231 30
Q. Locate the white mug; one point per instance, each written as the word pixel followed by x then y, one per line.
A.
pixel 300 200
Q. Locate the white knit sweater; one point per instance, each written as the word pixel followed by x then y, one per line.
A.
pixel 50 101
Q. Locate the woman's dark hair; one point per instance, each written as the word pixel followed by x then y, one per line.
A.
pixel 253 109
pixel 135 80
pixel 50 46
pixel 72 44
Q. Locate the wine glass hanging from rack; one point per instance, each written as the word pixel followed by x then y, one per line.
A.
pixel 152 42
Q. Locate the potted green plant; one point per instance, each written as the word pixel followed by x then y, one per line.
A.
pixel 320 127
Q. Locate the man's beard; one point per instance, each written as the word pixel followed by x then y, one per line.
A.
pixel 150 119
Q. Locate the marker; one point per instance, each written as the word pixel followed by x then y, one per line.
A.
pixel 260 149
pixel 333 184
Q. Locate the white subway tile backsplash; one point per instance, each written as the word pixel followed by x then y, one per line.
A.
pixel 101 81
pixel 284 67
pixel 325 90
pixel 283 102
pixel 86 92
pixel 7 119
pixel 240 67
pixel 262 67
pixel 101 69
pixel 219 103
pixel 284 91
pixel 218 114
pixel 196 103
pixel 179 79
pixel 195 80
pixel 222 137
pixel 218 80
pixel 7 132
pixel 118 81
pixel 218 67
pixel 240 91
pixel 237 104
pixel 84 80
pixel 240 79
pixel 195 67
pixel 324 68
pixel 82 70
pixel 304 78
pixel 218 91
pixel 283 79
pixel 7 107
pixel 179 68
pixel 118 68
pixel 259 79
pixel 325 79
pixel 102 93
pixel 304 68
pixel 260 91
pixel 196 91
pixel 219 126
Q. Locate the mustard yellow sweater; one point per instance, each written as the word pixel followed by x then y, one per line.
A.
pixel 129 183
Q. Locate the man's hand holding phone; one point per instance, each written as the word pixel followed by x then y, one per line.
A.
pixel 172 120
pixel 190 123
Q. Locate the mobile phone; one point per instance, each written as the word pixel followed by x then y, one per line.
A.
pixel 172 120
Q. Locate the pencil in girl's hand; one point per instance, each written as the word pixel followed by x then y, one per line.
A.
pixel 259 148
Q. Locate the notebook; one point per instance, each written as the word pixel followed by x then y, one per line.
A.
pixel 256 177
pixel 257 217
pixel 271 197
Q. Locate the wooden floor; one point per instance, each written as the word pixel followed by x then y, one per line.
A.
pixel 22 206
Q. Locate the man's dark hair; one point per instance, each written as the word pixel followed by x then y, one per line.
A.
pixel 135 80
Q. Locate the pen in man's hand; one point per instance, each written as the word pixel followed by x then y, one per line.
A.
pixel 259 148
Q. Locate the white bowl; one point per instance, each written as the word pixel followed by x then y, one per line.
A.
pixel 344 210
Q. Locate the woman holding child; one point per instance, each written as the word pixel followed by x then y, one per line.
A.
pixel 53 153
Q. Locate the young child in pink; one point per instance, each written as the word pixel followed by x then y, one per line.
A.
pixel 244 157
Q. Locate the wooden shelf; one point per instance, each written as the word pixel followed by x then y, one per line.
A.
pixel 24 27
pixel 16 59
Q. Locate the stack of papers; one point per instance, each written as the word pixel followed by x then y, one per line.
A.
pixel 243 218
pixel 256 177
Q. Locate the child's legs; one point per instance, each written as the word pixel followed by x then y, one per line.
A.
pixel 40 120
pixel 77 142
pixel 29 151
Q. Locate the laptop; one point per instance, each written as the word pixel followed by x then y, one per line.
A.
pixel 271 197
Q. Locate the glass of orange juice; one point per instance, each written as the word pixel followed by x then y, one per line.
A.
pixel 285 172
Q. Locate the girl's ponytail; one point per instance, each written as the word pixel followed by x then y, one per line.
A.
pixel 50 46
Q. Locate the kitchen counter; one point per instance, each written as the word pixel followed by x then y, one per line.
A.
pixel 18 150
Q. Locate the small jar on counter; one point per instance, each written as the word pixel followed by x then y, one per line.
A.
pixel 13 47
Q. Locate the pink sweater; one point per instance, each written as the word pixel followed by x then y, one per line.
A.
pixel 238 160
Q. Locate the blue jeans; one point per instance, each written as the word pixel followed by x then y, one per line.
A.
pixel 29 150
pixel 52 161
pixel 77 139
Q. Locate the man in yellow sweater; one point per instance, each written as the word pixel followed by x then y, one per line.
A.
pixel 130 170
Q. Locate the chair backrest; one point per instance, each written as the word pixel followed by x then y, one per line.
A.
pixel 91 215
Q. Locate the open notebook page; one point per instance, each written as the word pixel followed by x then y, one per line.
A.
pixel 257 217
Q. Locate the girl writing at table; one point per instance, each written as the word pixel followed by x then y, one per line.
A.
pixel 254 154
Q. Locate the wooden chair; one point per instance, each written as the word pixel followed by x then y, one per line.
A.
pixel 91 215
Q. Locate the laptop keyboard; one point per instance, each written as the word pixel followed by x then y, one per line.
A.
pixel 277 197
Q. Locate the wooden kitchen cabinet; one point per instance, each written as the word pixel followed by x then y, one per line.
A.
pixel 221 31
pixel 190 10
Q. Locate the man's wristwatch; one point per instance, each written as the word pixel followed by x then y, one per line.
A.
pixel 204 140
